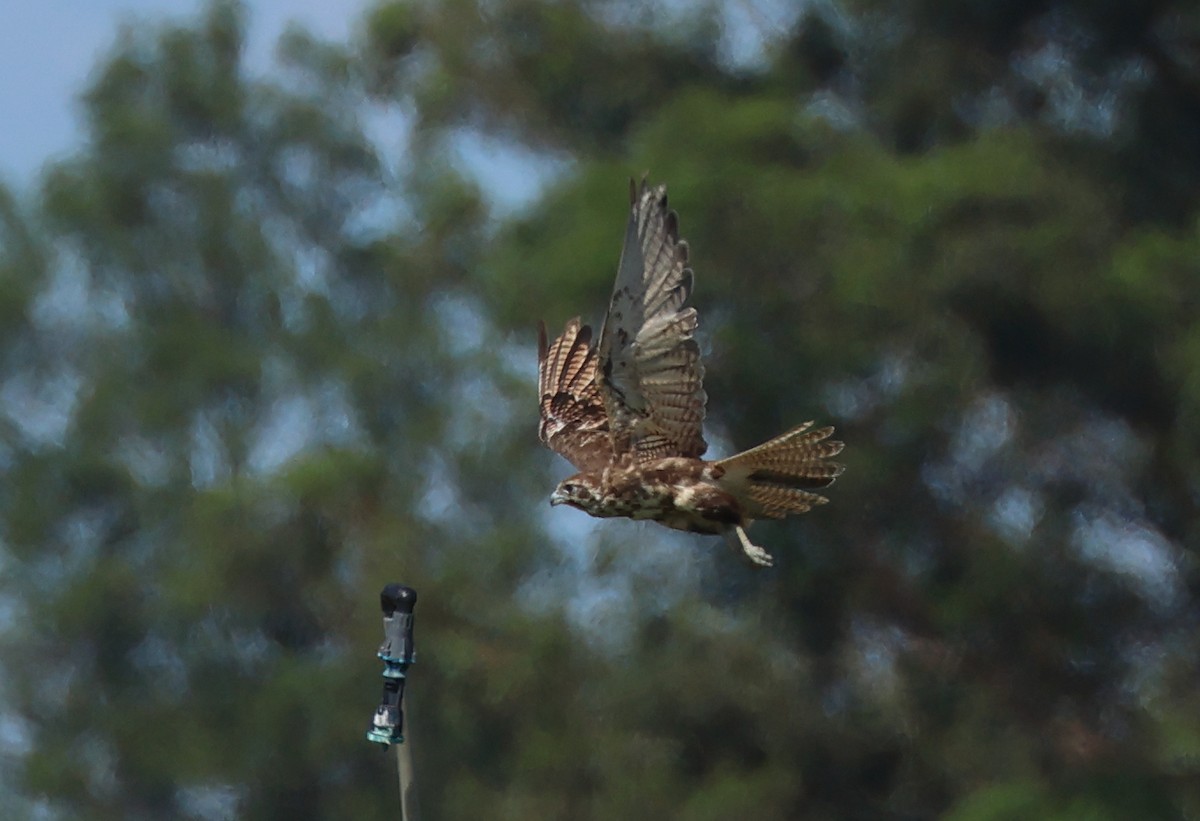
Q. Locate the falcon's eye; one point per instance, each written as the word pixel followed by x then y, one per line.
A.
pixel 576 490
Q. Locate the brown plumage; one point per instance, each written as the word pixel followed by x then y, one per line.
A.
pixel 628 412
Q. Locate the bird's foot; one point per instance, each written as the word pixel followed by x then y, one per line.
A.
pixel 755 553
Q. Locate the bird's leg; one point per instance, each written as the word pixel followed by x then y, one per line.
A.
pixel 755 553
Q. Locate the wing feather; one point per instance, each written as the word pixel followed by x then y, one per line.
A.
pixel 777 502
pixel 651 377
pixel 574 421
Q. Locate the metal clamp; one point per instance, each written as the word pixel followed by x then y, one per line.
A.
pixel 397 653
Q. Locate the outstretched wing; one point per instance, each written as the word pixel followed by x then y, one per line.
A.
pixel 651 377
pixel 574 421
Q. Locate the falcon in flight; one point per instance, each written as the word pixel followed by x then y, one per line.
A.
pixel 628 411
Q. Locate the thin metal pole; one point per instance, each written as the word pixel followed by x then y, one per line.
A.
pixel 409 811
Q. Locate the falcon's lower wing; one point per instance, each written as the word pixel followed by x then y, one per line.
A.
pixel 574 421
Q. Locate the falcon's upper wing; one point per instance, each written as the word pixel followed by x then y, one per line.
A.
pixel 574 422
pixel 651 377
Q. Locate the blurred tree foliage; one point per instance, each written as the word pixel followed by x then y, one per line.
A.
pixel 268 345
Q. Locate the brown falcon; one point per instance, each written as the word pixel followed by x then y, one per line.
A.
pixel 628 412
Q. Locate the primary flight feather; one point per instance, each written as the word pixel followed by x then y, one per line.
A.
pixel 628 411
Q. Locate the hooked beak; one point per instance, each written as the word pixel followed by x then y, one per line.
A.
pixel 558 497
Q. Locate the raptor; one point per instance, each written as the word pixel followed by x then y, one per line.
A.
pixel 628 410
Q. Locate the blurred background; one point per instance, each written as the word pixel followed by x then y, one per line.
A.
pixel 267 324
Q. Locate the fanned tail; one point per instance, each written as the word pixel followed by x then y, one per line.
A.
pixel 776 479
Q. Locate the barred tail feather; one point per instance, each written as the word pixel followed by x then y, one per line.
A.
pixel 776 478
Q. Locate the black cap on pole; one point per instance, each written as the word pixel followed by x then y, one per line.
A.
pixel 397 597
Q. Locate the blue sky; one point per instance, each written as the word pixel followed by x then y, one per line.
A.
pixel 49 49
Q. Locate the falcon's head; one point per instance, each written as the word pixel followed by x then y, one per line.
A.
pixel 579 491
